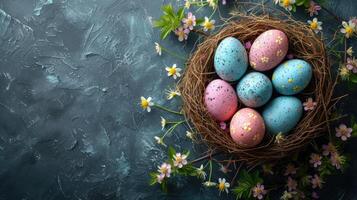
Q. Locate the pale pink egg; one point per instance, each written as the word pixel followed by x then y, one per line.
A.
pixel 268 50
pixel 221 100
pixel 247 127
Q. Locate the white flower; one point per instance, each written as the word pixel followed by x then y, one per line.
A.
pixel 276 1
pixel 163 123
pixel 348 29
pixel 187 4
pixel 189 134
pixel 180 160
pixel 208 25
pixel 223 185
pixel 158 48
pixel 165 169
pixel 209 184
pixel 173 71
pixel 160 140
pixel 172 93
pixel 315 25
pixel 350 51
pixel 201 173
pixel 160 178
pixel 287 4
pixel 146 103
pixel 212 3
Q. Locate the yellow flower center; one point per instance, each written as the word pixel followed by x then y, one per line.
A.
pixel 349 30
pixel 208 25
pixel 189 22
pixel 313 25
pixel 163 170
pixel 286 3
pixel 144 103
pixel 172 71
pixel 221 186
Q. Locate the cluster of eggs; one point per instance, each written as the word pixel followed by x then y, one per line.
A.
pixel 255 89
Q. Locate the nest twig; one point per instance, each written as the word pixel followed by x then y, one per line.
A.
pixel 304 44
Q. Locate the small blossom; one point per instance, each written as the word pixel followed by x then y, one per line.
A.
pixel 160 140
pixel 287 4
pixel 315 160
pixel 316 182
pixel 173 71
pixel 352 65
pixel 248 45
pixel 163 123
pixel 287 195
pixel 189 134
pixel 224 169
pixel 223 185
pixel 189 22
pixel 208 25
pixel 224 2
pixel 313 8
pixel 290 170
pixel 279 138
pixel 336 160
pixel 314 195
pixel 315 25
pixel 182 33
pixel 343 132
pixel 158 48
pixel 276 1
pixel 212 3
pixel 180 160
pixel 223 125
pixel 350 51
pixel 348 28
pixel 146 103
pixel 344 72
pixel 259 191
pixel 292 184
pixel 268 169
pixel 170 94
pixel 160 178
pixel 201 173
pixel 209 184
pixel 187 4
pixel 309 104
pixel 328 149
pixel 165 169
pixel 290 56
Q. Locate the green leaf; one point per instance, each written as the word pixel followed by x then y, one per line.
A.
pixel 353 78
pixel 171 152
pixel 168 10
pixel 301 2
pixel 153 178
pixel 294 8
pixel 200 21
pixel 180 13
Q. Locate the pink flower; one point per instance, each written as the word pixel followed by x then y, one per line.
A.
pixel 290 56
pixel 328 149
pixel 259 191
pixel 182 33
pixel 248 45
pixel 315 160
pixel 309 104
pixel 290 170
pixel 313 8
pixel 165 169
pixel 160 178
pixel 314 195
pixel 352 65
pixel 336 160
pixel 354 20
pixel 224 2
pixel 223 125
pixel 224 169
pixel 316 182
pixel 343 132
pixel 189 22
pixel 292 184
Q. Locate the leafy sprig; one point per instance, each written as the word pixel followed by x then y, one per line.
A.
pixel 246 183
pixel 169 21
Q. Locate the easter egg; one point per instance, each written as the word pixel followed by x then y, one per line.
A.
pixel 268 50
pixel 292 76
pixel 247 127
pixel 230 59
pixel 254 89
pixel 282 114
pixel 221 100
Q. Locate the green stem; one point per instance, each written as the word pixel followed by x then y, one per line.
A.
pixel 210 170
pixel 172 53
pixel 172 128
pixel 167 110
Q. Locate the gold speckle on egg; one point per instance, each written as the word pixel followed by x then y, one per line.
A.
pixel 264 59
pixel 252 115
pixel 255 137
pixel 279 39
pixel 299 66
pixel 296 88
pixel 290 80
pixel 233 130
pixel 246 126
pixel 279 53
pixel 273 77
pixel 253 64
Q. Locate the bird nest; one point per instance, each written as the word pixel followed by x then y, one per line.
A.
pixel 303 44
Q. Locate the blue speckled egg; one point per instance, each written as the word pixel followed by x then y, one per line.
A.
pixel 282 114
pixel 292 76
pixel 230 59
pixel 255 89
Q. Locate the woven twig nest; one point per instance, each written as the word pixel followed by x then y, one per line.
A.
pixel 304 44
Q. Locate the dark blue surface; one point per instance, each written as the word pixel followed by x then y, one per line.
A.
pixel 71 76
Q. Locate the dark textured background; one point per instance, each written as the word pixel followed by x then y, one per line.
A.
pixel 71 75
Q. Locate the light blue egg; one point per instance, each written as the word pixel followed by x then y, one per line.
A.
pixel 292 76
pixel 282 114
pixel 230 59
pixel 255 89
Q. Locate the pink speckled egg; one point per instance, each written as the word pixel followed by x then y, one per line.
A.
pixel 221 100
pixel 247 127
pixel 268 50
